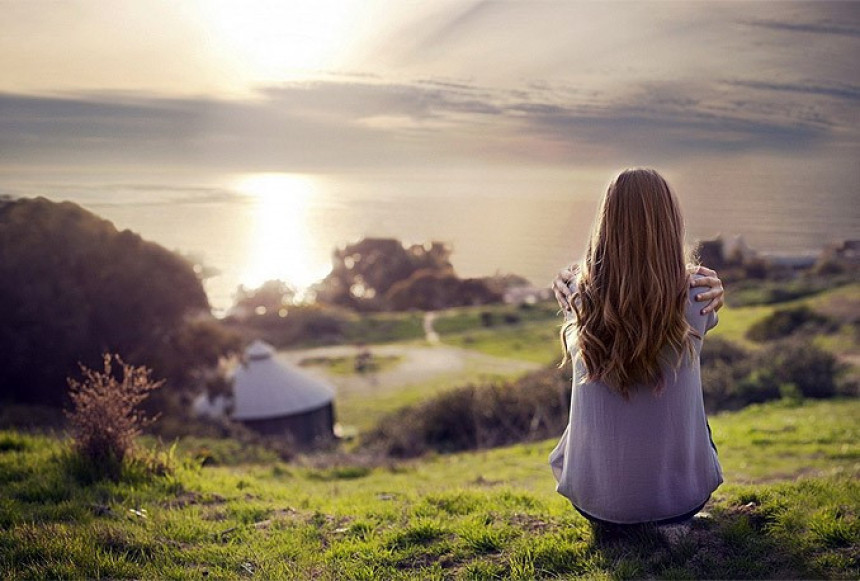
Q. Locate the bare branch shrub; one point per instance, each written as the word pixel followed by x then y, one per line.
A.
pixel 105 420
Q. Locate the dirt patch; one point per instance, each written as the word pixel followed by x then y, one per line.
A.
pixel 193 498
pixel 529 523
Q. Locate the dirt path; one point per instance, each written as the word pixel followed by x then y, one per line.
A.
pixel 429 332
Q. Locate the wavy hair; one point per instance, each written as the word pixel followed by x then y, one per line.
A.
pixel 631 290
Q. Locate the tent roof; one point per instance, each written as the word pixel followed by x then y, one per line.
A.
pixel 264 387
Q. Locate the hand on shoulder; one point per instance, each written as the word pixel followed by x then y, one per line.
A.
pixel 715 295
pixel 561 287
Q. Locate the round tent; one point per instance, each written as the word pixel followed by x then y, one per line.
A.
pixel 274 398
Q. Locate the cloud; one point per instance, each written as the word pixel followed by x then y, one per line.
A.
pixel 357 122
pixel 840 91
pixel 851 30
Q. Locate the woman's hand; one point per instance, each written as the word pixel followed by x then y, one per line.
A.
pixel 714 294
pixel 561 287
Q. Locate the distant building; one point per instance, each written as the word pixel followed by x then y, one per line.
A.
pixel 274 398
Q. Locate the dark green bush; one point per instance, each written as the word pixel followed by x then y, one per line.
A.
pixel 794 367
pixel 784 322
pixel 478 416
pixel 536 406
pixel 811 369
pixel 724 367
pixel 717 350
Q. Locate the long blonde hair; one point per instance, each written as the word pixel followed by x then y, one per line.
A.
pixel 631 291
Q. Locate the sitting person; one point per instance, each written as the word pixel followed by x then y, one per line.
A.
pixel 637 448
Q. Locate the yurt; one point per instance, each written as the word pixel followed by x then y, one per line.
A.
pixel 274 398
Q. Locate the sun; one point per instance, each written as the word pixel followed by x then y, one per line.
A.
pixel 281 241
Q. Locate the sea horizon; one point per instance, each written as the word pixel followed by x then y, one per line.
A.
pixel 252 227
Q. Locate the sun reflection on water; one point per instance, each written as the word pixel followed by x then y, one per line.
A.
pixel 281 238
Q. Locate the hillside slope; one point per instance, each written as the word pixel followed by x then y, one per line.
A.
pixel 788 510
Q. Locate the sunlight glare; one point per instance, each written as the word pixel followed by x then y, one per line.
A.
pixel 277 40
pixel 281 242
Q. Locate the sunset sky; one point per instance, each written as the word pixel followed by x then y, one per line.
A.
pixel 351 85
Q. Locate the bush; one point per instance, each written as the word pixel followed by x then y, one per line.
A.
pixel 105 420
pixel 478 416
pixel 811 369
pixel 792 368
pixel 784 322
pixel 724 367
pixel 297 325
pixel 717 350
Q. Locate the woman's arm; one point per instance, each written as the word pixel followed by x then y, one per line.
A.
pixel 561 287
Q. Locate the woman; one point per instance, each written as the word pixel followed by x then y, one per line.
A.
pixel 637 448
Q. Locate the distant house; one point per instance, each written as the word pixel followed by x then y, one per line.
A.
pixel 275 398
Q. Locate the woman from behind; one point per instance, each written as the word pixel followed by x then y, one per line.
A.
pixel 637 448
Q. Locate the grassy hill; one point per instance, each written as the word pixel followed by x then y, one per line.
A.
pixel 789 509
pixel 531 335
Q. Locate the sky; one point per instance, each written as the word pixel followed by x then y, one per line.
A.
pixel 325 86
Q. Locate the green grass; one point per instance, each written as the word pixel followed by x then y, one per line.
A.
pixel 529 333
pixel 482 515
pixel 384 327
pixel 535 337
pixel 463 319
pixel 364 410
pixel 537 342
pixel 842 302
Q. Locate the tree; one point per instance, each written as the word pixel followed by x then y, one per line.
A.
pixel 430 290
pixel 272 297
pixel 364 272
pixel 73 287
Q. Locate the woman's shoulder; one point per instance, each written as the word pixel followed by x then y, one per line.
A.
pixel 694 315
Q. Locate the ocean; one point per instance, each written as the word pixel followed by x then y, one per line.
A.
pixel 252 227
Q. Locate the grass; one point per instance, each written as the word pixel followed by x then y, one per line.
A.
pixel 535 339
pixel 537 342
pixel 535 336
pixel 363 410
pixel 529 332
pixel 483 515
pixel 463 319
pixel 384 327
pixel 842 302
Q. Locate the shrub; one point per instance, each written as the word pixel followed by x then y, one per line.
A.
pixel 724 367
pixel 792 368
pixel 478 416
pixel 536 406
pixel 717 350
pixel 105 420
pixel 811 369
pixel 784 322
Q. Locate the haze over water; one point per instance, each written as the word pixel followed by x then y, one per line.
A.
pixel 254 227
